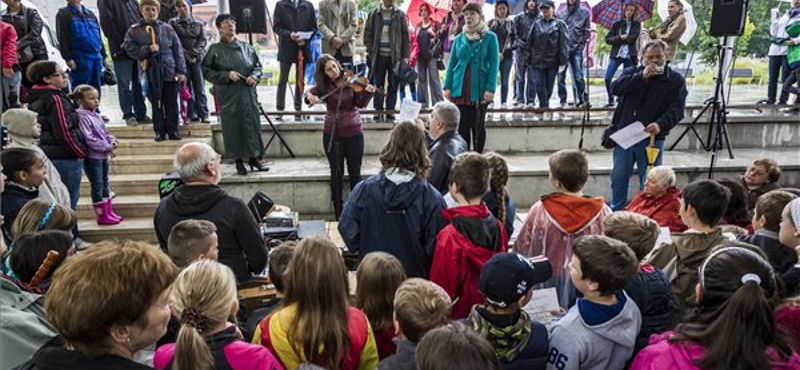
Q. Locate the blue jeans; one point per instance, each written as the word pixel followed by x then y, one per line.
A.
pixel 197 107
pixel 621 173
pixel 544 78
pixel 505 74
pixel 777 63
pixel 578 85
pixel 129 89
pixel 70 171
pixel 613 65
pixel 97 173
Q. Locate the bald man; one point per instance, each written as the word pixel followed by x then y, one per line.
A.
pixel 241 245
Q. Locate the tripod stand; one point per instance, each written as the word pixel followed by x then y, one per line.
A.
pixel 717 129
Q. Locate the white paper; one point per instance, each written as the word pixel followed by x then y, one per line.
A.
pixel 630 135
pixel 305 35
pixel 542 302
pixel 409 110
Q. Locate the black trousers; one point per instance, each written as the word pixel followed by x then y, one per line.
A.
pixel 472 126
pixel 283 79
pixel 165 112
pixel 351 149
pixel 383 71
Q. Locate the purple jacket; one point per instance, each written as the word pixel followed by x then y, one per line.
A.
pixel 98 141
pixel 661 354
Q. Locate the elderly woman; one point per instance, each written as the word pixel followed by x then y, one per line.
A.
pixel 660 199
pixel 671 30
pixel 471 78
pixel 233 67
pixel 103 323
pixel 397 211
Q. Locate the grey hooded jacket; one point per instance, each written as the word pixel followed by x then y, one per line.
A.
pixel 578 27
pixel 608 346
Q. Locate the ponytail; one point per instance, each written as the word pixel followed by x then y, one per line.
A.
pixel 191 350
pixel 735 323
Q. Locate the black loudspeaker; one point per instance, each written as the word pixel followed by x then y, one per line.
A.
pixel 728 17
pixel 251 15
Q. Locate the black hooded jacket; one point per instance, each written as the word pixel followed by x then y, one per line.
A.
pixel 241 245
pixel 53 356
pixel 62 137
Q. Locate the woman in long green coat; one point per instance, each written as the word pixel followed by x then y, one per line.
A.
pixel 233 67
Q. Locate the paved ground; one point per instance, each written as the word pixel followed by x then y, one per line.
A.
pixel 740 94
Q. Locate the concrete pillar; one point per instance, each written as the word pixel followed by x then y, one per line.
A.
pixel 223 7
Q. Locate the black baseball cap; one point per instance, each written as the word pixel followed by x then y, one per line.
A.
pixel 506 277
pixel 546 4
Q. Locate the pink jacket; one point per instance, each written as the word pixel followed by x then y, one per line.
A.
pixel 552 226
pixel 239 354
pixel 8 44
pixel 661 354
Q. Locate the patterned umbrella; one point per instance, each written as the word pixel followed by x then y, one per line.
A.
pixel 609 11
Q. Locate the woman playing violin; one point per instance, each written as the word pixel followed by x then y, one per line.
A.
pixel 342 136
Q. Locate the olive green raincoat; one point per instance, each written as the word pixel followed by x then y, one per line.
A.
pixel 238 102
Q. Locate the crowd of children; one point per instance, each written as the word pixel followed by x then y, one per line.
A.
pixel 629 295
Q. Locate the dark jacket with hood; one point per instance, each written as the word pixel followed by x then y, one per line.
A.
pixel 781 257
pixel 14 197
pixel 403 359
pixel 61 132
pixel 522 29
pixel 241 245
pixel 137 45
pixel 53 356
pixel 660 99
pixel 649 289
pixel 547 45
pixel 28 24
pixel 443 151
pixel 289 19
pixel 578 21
pixel 462 248
pixel 520 342
pixel 400 216
pixel 680 261
pixel 116 16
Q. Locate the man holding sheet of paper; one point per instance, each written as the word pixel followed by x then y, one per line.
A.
pixel 652 96
pixel 295 23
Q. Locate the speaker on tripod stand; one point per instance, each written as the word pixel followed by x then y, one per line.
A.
pixel 727 20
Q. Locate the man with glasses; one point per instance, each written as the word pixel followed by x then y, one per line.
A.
pixel 241 245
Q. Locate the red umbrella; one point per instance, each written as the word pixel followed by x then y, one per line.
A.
pixel 437 14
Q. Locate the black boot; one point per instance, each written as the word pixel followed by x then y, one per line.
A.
pixel 240 167
pixel 255 163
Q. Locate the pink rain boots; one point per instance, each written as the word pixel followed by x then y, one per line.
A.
pixel 110 210
pixel 104 217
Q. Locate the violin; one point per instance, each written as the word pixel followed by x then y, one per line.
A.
pixel 355 82
pixel 358 83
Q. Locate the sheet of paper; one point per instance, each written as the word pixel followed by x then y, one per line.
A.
pixel 630 135
pixel 541 303
pixel 305 35
pixel 409 110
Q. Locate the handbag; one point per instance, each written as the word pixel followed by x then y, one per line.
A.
pixel 26 54
pixel 606 140
pixel 440 65
pixel 107 77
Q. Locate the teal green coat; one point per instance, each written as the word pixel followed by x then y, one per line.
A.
pixel 484 53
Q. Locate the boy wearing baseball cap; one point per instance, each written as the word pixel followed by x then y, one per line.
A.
pixel 506 281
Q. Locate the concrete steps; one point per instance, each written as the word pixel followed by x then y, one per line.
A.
pixel 302 183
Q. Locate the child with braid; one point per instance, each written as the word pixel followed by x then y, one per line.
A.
pixel 498 199
pixel 205 297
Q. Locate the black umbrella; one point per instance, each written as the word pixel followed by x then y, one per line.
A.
pixel 155 75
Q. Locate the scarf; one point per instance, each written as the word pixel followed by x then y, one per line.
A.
pixel 508 342
pixel 477 32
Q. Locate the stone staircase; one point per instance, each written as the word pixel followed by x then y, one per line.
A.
pixel 134 176
pixel 526 140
